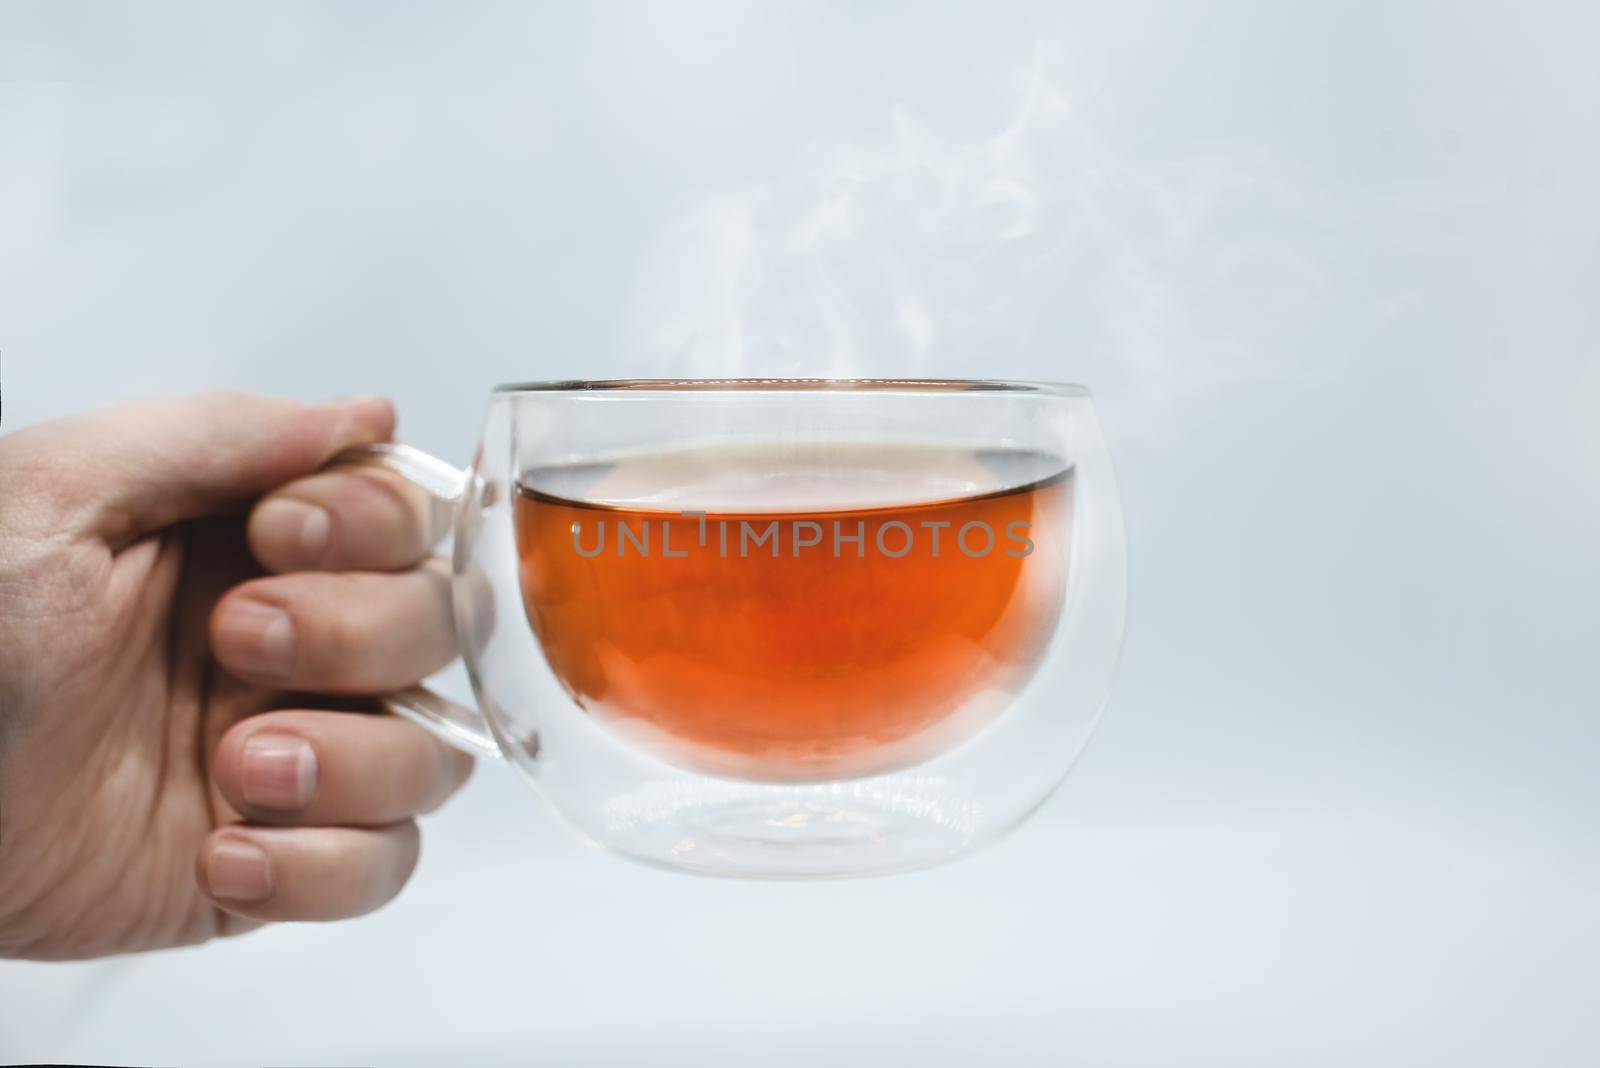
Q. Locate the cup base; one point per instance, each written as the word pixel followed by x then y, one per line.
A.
pixel 873 826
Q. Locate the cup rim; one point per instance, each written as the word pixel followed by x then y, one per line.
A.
pixel 795 385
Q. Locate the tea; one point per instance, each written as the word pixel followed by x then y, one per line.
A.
pixel 797 611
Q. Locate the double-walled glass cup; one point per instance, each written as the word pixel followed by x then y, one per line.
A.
pixel 782 627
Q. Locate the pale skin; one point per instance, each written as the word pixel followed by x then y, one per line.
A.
pixel 192 613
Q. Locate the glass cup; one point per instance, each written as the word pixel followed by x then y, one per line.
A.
pixel 782 627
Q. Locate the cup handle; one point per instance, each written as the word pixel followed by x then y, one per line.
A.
pixel 441 717
pixel 452 723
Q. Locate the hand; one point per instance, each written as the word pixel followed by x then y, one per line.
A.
pixel 167 771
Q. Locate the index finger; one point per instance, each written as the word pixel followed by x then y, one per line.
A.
pixel 161 462
pixel 348 519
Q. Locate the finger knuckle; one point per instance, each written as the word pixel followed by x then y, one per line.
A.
pixel 407 837
pixel 395 509
pixel 339 617
pixel 448 768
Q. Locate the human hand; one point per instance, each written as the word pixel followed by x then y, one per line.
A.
pixel 184 749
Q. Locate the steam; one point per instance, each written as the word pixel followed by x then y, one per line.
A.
pixel 1017 254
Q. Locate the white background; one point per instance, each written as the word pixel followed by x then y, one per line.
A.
pixel 1340 302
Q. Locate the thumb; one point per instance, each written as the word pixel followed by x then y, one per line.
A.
pixel 147 466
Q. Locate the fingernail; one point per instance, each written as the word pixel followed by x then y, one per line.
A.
pixel 239 871
pixel 304 526
pixel 257 639
pixel 280 771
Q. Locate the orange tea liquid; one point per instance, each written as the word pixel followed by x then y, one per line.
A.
pixel 825 611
